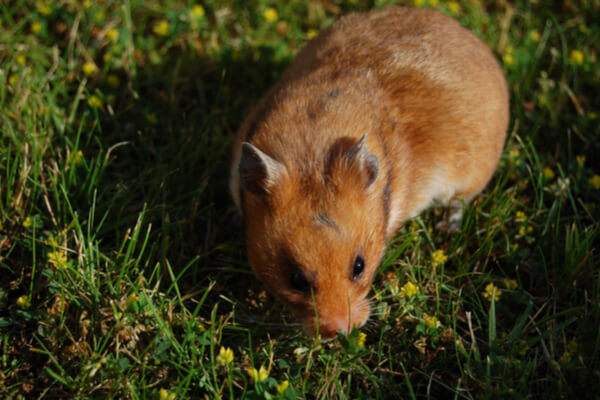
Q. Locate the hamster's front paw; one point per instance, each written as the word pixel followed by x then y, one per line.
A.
pixel 452 222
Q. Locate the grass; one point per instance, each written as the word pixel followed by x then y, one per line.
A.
pixel 122 264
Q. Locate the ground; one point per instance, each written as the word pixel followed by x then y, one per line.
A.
pixel 122 264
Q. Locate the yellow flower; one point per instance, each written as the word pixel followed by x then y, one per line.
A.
pixel 576 57
pixel 43 9
pixel 520 216
pixel 94 102
pixel 510 284
pixel 201 328
pixel 431 321
pixel 112 34
pixel 592 115
pixel 152 118
pixel 270 15
pixel 106 57
pixel 414 226
pixel 58 258
pixel 565 358
pixel 197 11
pixel 522 231
pixel 418 3
pixel 132 298
pixel 548 173
pixel 20 58
pixel 24 302
pixel 572 346
pixel 51 241
pixel 594 181
pixel 87 4
pixel 508 59
pixel 409 290
pixel 514 246
pixel 225 356
pixel 580 161
pixel 282 387
pixel 434 3
pixel 570 352
pixel 113 80
pixel 438 257
pixel 78 158
pixel 311 33
pixel 89 68
pixel 164 394
pixel 454 7
pixel 258 375
pixel 492 292
pixel 99 16
pixel 161 28
pixel 362 337
pixel 27 222
pixel 36 26
pixel 534 35
pixel 13 80
pixel 514 153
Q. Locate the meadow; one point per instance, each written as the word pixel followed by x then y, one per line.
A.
pixel 122 264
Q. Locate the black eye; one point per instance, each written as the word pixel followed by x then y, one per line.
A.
pixel 358 268
pixel 298 282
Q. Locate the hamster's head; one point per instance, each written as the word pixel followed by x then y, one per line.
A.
pixel 315 233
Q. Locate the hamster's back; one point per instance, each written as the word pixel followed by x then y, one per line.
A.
pixel 438 84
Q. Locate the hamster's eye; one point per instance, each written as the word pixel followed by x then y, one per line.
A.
pixel 358 268
pixel 298 282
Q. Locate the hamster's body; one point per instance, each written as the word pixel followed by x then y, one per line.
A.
pixel 380 116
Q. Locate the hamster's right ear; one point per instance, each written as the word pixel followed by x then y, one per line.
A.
pixel 258 171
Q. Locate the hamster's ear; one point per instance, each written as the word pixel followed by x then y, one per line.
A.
pixel 258 171
pixel 366 161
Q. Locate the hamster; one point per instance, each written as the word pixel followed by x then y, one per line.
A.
pixel 380 116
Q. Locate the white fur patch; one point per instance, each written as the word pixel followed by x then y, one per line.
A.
pixel 440 189
pixel 437 190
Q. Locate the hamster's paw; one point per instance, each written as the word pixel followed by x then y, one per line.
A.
pixel 452 222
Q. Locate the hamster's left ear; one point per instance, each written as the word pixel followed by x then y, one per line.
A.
pixel 367 162
pixel 258 171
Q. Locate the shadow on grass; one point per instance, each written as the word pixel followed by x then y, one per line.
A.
pixel 168 137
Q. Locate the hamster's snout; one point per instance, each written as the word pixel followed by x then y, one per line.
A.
pixel 330 322
pixel 328 329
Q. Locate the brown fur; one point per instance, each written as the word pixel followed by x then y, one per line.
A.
pixel 433 103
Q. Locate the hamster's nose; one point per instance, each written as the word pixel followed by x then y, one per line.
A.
pixel 328 328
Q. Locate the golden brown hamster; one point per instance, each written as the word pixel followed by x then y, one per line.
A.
pixel 382 115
